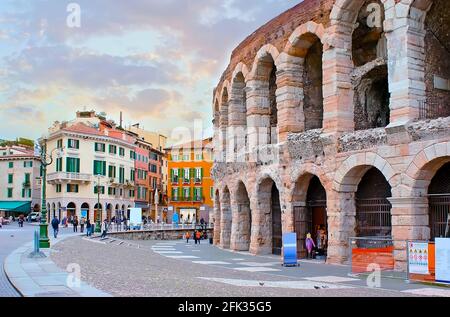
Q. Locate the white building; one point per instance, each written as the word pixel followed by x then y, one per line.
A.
pixel 20 189
pixel 92 152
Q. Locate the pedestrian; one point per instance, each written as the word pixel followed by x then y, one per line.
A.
pixel 82 222
pixel 1 222
pixel 75 224
pixel 188 236
pixel 309 242
pixel 125 223
pixel 55 226
pixel 88 228
pixel 21 220
pixel 198 236
pixel 104 228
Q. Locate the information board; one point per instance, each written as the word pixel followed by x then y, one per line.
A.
pixel 135 216
pixel 290 249
pixel 418 258
pixel 443 260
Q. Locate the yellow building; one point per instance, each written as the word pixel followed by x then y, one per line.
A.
pixel 190 185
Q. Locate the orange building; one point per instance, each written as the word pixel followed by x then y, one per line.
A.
pixel 190 186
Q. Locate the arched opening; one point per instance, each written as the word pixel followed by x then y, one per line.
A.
pixel 53 210
pixel 85 211
pixel 71 210
pixel 310 214
pixel 439 203
pixel 217 219
pixel 437 60
pixel 312 82
pixel 269 204
pixel 109 208
pixel 59 211
pixel 273 104
pixel 370 77
pixel 98 208
pixel 244 219
pixel 373 209
pixel 238 113
pixel 226 219
pixel 224 123
pixel 124 212
pixel 117 212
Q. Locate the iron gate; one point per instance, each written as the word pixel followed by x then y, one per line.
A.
pixel 303 225
pixel 439 209
pixel 373 217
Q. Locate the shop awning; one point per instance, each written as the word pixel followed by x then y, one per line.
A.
pixel 16 206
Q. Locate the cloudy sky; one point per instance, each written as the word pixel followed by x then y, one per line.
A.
pixel 155 60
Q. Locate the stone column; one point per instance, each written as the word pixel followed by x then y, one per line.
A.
pixel 240 240
pixel 341 213
pixel 261 242
pixel 290 96
pixel 217 222
pixel 337 86
pixel 258 115
pixel 225 224
pixel 237 123
pixel 406 66
pixel 410 221
pixel 223 127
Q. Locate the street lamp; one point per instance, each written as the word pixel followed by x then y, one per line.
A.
pixel 98 224
pixel 46 160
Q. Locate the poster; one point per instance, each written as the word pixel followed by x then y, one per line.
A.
pixel 135 216
pixel 84 213
pixel 418 258
pixel 443 260
pixel 290 249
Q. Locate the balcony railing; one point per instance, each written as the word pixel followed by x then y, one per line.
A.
pixel 65 176
pixel 187 199
pixel 26 184
pixel 433 109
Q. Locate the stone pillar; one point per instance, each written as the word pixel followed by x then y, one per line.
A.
pixel 225 223
pixel 258 115
pixel 217 222
pixel 410 221
pixel 261 240
pixel 237 131
pixel 341 213
pixel 337 86
pixel 223 127
pixel 290 96
pixel 240 239
pixel 406 66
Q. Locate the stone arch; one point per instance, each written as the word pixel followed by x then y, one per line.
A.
pixel 423 168
pixel 225 218
pixel 300 40
pixel 353 169
pixel 262 54
pixel 71 209
pixel 242 219
pixel 240 68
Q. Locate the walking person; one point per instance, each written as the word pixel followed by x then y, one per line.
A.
pixel 198 236
pixel 75 224
pixel 1 222
pixel 21 220
pixel 88 228
pixel 188 236
pixel 104 228
pixel 82 222
pixel 310 245
pixel 55 226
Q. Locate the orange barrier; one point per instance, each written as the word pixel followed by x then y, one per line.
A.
pixel 362 258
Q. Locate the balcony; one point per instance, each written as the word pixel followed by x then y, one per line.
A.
pixel 187 199
pixel 61 177
pixel 26 184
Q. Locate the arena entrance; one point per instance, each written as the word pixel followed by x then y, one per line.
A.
pixel 312 219
pixel 276 221
pixel 439 203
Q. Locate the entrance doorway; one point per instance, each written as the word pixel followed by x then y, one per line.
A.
pixel 439 203
pixel 276 221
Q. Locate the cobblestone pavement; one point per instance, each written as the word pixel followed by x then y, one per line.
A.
pixel 153 268
pixel 11 238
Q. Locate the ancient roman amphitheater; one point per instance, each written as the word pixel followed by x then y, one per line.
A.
pixel 336 115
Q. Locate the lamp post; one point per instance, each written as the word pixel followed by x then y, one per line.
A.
pixel 98 224
pixel 46 160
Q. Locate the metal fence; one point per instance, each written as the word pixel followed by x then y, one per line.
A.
pixel 439 206
pixel 159 227
pixel 373 217
pixel 433 109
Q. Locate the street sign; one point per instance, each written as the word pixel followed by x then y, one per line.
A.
pixel 290 249
pixel 443 260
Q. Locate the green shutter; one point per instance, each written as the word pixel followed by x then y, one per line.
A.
pixel 201 173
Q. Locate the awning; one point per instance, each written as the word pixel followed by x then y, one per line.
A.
pixel 16 206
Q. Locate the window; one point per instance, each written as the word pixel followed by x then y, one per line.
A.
pixel 112 171
pixel 174 158
pixel 153 168
pixel 186 157
pixel 154 156
pixel 187 194
pixel 10 178
pixel 132 175
pixel 132 155
pixel 101 188
pixel 28 164
pixel 27 179
pixel 59 164
pixel 198 175
pixel 10 192
pixel 59 144
pixel 199 157
pixel 100 147
pixel 26 192
pixel 174 176
pixel 111 191
pixel 100 168
pixel 58 188
pixel 211 192
pixel 121 175
pixel 10 164
pixel 71 188
pixel 186 175
pixel 122 151
pixel 72 165
pixel 198 194
pixel 73 144
pixel 131 193
pixel 175 194
pixel 154 182
pixel 112 149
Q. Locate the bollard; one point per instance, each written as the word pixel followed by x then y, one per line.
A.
pixel 36 251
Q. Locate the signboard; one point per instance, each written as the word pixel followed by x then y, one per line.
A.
pixel 84 213
pixel 175 218
pixel 290 249
pixel 135 216
pixel 418 258
pixel 443 260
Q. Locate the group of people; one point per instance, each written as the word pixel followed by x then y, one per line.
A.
pixel 197 235
pixel 83 222
pixel 319 247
